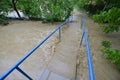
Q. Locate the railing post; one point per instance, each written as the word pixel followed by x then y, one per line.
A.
pixel 21 71
pixel 82 38
pixel 59 33
pixel 82 22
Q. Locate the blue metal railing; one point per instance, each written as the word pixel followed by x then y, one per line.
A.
pixel 85 37
pixel 16 66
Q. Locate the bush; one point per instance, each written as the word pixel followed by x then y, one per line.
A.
pixel 100 18
pixel 91 6
pixel 111 17
pixel 3 20
pixel 30 8
pixel 106 44
pixel 55 10
pixel 46 10
pixel 110 28
pixel 113 55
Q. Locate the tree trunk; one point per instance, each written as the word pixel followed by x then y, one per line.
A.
pixel 15 8
pixel 106 4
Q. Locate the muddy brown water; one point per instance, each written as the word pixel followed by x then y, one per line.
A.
pixel 19 37
pixel 103 69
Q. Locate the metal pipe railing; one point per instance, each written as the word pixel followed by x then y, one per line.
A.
pixel 16 66
pixel 85 37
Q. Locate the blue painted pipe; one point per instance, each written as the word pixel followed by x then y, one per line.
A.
pixel 84 35
pixel 90 67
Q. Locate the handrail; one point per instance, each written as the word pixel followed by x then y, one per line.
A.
pixel 85 37
pixel 16 66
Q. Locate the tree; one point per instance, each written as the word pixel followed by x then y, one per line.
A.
pixel 55 10
pixel 30 8
pixel 46 10
pixel 14 2
pixel 9 5
pixel 106 12
pixel 3 11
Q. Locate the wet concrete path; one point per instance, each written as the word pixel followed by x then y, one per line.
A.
pixel 63 64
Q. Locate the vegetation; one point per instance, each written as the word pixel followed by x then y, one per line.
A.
pixel 3 20
pixel 3 9
pixel 106 44
pixel 105 12
pixel 46 10
pixel 111 17
pixel 30 8
pixel 55 10
pixel 91 6
pixel 111 54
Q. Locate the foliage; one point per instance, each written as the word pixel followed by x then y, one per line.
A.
pixel 3 9
pixel 106 44
pixel 113 55
pixel 3 20
pixel 104 11
pixel 91 6
pixel 112 17
pixel 113 3
pixel 4 6
pixel 30 8
pixel 95 6
pixel 47 10
pixel 110 28
pixel 82 3
pixel 55 10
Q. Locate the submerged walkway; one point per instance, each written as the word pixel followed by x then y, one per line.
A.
pixel 63 64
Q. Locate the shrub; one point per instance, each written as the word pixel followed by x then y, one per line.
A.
pixel 106 44
pixel 55 10
pixel 111 17
pixel 110 28
pixel 113 55
pixel 3 20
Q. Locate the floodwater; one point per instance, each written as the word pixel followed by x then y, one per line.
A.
pixel 18 38
pixel 103 69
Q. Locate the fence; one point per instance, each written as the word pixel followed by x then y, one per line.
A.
pixel 16 66
pixel 85 37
